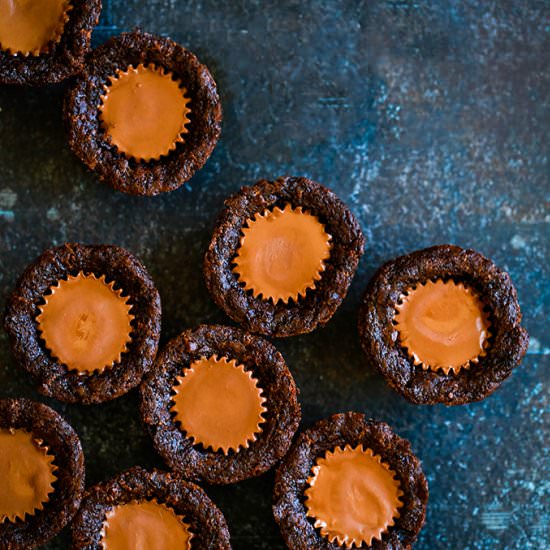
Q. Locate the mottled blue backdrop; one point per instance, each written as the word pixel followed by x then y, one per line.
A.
pixel 430 119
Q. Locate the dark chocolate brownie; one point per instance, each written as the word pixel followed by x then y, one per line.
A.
pixel 266 365
pixel 62 441
pixel 63 59
pixel 337 431
pixel 87 138
pixel 52 377
pixel 207 523
pixel 506 346
pixel 319 304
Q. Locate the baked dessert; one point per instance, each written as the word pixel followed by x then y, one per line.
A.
pixel 220 404
pixel 144 115
pixel 349 482
pixel 282 256
pixel 442 325
pixel 42 473
pixel 148 509
pixel 84 321
pixel 44 42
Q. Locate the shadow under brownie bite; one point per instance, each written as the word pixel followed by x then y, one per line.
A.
pixel 282 256
pixel 442 325
pixel 45 42
pixel 144 115
pixel 220 404
pixel 148 509
pixel 41 473
pixel 84 321
pixel 349 482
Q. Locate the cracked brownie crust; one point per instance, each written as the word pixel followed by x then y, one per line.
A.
pixel 317 307
pixel 206 521
pixel 52 377
pixel 87 137
pixel 266 365
pixel 62 441
pixel 339 430
pixel 506 346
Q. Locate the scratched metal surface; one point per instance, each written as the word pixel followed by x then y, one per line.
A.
pixel 430 119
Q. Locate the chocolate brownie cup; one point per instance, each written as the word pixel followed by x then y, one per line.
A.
pixel 350 482
pixel 220 404
pixel 143 509
pixel 42 473
pixel 282 256
pixel 44 42
pixel 442 325
pixel 84 321
pixel 144 115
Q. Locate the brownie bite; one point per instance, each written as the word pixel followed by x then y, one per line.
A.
pixel 144 115
pixel 282 256
pixel 442 325
pixel 349 482
pixel 220 404
pixel 44 42
pixel 148 509
pixel 41 473
pixel 84 321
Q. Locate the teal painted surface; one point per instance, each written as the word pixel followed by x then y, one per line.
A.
pixel 430 119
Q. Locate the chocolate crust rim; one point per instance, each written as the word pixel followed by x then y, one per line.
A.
pixel 507 344
pixel 207 523
pixel 339 430
pixel 55 379
pixel 64 444
pixel 274 378
pixel 317 307
pixel 63 59
pixel 88 140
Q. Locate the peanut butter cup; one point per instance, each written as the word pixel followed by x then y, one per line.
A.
pixel 349 482
pixel 442 325
pixel 41 473
pixel 204 404
pixel 28 474
pixel 144 112
pixel 220 405
pixel 148 509
pixel 144 524
pixel 84 321
pixel 282 256
pixel 44 42
pixel 144 115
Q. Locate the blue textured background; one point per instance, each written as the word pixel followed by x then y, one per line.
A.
pixel 430 119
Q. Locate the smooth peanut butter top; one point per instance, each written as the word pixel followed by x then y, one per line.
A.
pixel 282 253
pixel 144 112
pixel 146 525
pixel 26 474
pixel 218 404
pixel 28 26
pixel 85 323
pixel 352 496
pixel 442 325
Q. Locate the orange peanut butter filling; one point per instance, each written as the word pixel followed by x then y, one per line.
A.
pixel 144 112
pixel 26 474
pixel 442 325
pixel 28 27
pixel 282 253
pixel 146 525
pixel 85 323
pixel 219 404
pixel 352 496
